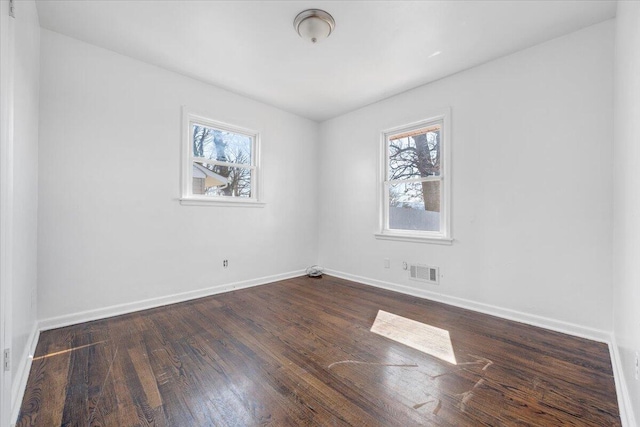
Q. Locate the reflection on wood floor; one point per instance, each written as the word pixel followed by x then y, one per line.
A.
pixel 301 352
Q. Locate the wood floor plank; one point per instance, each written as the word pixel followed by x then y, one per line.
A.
pixel 282 375
pixel 44 398
pixel 301 352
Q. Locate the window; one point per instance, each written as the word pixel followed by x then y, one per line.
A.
pixel 415 182
pixel 220 163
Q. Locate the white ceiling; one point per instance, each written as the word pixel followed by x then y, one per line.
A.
pixel 378 49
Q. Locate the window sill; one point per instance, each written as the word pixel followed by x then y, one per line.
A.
pixel 217 202
pixel 414 238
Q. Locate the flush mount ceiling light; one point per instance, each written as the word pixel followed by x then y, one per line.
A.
pixel 314 24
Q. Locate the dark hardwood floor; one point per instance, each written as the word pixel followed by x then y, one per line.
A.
pixel 300 352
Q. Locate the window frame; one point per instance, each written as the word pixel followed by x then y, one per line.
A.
pixel 444 235
pixel 190 117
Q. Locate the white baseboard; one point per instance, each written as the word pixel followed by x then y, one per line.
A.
pixel 19 386
pixel 624 400
pixel 130 307
pixel 505 313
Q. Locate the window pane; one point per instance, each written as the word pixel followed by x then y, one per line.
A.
pixel 217 180
pixel 415 154
pixel 415 206
pixel 221 145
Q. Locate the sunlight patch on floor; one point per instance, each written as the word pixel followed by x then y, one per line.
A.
pixel 420 336
pixel 57 353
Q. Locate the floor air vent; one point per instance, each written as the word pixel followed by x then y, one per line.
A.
pixel 424 273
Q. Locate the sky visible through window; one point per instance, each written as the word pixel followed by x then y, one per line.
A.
pixel 221 145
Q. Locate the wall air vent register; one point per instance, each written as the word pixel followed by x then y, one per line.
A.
pixel 424 273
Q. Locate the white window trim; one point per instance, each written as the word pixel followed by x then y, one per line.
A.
pixel 188 198
pixel 443 237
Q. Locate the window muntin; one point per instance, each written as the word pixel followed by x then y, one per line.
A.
pixel 415 181
pixel 222 162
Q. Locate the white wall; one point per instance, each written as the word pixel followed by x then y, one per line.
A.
pixel 626 191
pixel 25 186
pixel 111 230
pixel 531 144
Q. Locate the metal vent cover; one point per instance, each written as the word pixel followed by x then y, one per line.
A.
pixel 424 273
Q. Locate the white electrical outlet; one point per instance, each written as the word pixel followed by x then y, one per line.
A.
pixel 387 263
pixel 637 366
pixel 7 359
